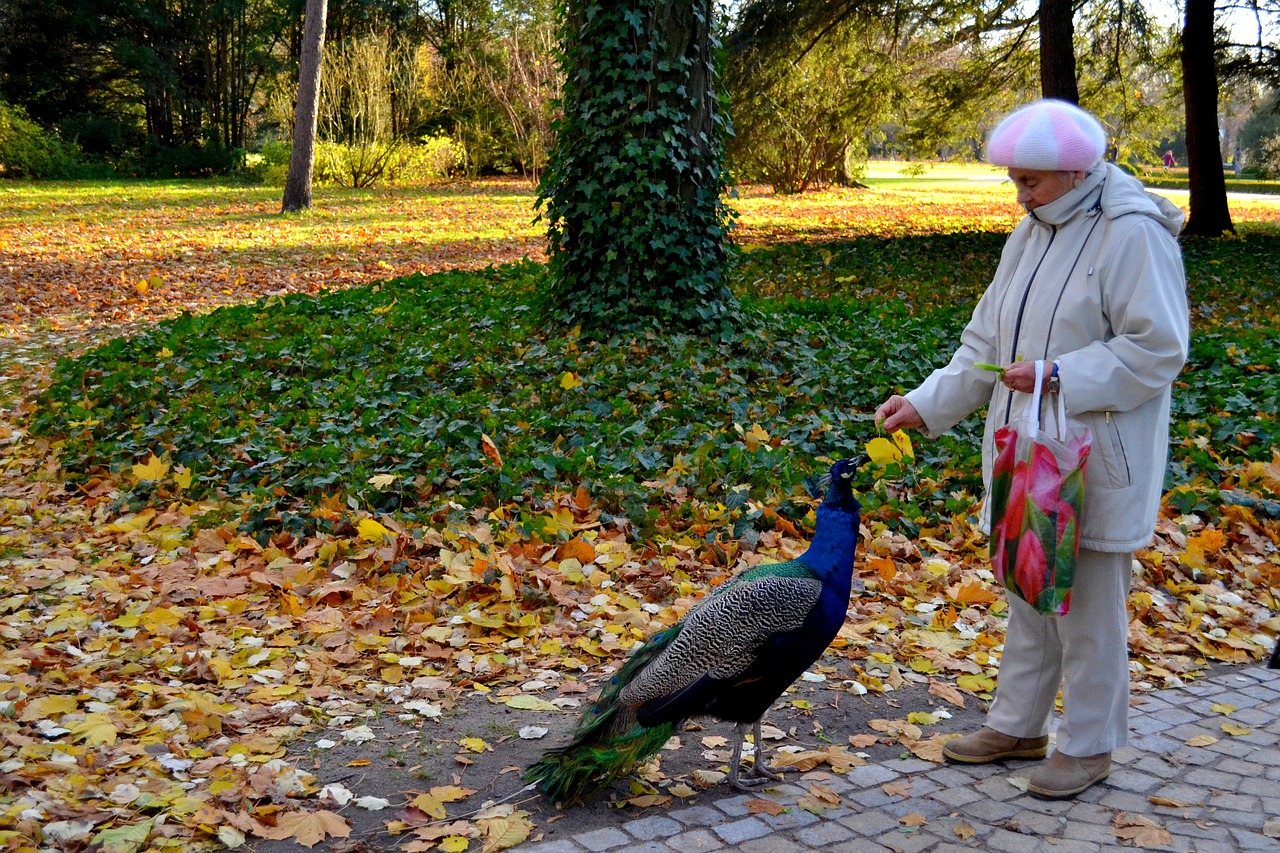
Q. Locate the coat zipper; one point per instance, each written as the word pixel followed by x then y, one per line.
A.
pixel 1022 307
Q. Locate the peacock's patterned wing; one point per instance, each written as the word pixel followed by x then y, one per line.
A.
pixel 721 635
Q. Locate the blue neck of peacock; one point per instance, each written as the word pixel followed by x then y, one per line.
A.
pixel 835 537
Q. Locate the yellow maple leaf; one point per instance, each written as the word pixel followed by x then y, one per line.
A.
pixel 1235 729
pixel 559 522
pixel 755 437
pixel 503 832
pixel 474 744
pixel 96 730
pixel 430 806
pixel 976 683
pixel 454 844
pixel 372 531
pixel 450 793
pixel 922 719
pixel 1210 540
pixel 569 381
pixel 1223 708
pixel 46 707
pixel 882 451
pixel 183 477
pixel 153 469
pixel 310 828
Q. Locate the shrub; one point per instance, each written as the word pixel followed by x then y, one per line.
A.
pixel 1269 157
pixel 359 165
pixel 269 165
pixel 189 160
pixel 28 151
pixel 436 158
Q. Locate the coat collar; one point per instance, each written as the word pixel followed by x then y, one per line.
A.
pixel 1084 198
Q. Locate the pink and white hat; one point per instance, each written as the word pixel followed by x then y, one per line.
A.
pixel 1049 135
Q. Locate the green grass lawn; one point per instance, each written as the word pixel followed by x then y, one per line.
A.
pixel 383 392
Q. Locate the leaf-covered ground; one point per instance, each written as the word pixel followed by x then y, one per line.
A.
pixel 176 628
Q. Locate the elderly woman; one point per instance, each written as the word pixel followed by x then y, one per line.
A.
pixel 1092 281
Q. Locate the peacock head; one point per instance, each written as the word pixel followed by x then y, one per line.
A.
pixel 838 483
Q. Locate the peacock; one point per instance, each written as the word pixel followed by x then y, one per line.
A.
pixel 730 657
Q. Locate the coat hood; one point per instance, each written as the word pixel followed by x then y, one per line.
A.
pixel 1121 195
pixel 1124 194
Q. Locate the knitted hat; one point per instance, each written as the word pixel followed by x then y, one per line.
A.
pixel 1049 135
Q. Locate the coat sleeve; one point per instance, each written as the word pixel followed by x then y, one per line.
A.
pixel 1144 299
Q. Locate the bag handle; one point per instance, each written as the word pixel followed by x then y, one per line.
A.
pixel 1062 409
pixel 1034 418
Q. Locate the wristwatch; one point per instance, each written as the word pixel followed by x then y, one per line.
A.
pixel 1055 384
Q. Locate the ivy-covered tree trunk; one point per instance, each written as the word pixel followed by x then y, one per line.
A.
pixel 633 188
pixel 1210 215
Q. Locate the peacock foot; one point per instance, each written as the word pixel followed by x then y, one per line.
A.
pixel 765 771
pixel 757 777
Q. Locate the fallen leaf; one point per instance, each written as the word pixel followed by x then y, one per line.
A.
pixel 153 469
pixel 373 531
pixel 645 801
pixel 1202 740
pixel 964 830
pixel 897 789
pixel 1166 801
pixel 310 828
pixel 474 744
pixel 503 832
pixel 1142 831
pixel 946 693
pixel 769 807
pixel 451 793
pixel 524 702
pixel 913 819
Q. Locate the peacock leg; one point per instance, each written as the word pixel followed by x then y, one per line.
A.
pixel 759 775
pixel 758 767
pixel 735 765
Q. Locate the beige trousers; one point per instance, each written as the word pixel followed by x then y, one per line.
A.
pixel 1089 648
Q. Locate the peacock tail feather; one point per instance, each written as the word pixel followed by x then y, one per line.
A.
pixel 607 741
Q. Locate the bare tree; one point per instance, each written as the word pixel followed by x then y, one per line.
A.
pixel 1057 51
pixel 1210 215
pixel 297 187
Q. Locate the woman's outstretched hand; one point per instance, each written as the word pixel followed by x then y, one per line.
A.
pixel 897 413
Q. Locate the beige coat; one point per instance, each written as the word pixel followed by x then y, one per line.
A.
pixel 1095 281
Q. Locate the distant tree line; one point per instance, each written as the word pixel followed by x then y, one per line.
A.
pixel 815 87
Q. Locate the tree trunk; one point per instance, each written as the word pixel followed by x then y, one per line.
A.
pixel 1058 51
pixel 1210 216
pixel 297 187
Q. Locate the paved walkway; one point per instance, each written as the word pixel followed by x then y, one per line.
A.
pixel 1218 798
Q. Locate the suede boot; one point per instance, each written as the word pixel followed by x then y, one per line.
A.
pixel 987 745
pixel 1066 775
